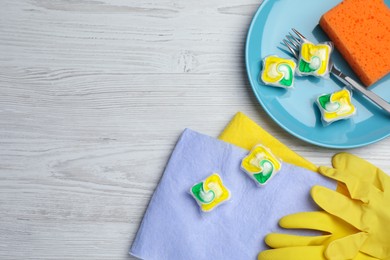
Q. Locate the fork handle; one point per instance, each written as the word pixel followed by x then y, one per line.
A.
pixel 356 86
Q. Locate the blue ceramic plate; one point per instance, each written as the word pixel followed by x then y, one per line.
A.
pixel 294 110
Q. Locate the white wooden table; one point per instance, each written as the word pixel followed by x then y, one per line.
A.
pixel 93 96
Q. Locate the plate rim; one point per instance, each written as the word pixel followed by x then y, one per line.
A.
pixel 335 146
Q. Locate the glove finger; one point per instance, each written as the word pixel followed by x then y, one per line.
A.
pixel 357 188
pixel 359 168
pixel 338 205
pixel 285 240
pixel 316 220
pixel 293 253
pixel 346 247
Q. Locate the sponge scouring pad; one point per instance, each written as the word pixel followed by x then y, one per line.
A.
pixel 360 30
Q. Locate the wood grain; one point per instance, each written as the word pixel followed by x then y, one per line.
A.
pixel 93 97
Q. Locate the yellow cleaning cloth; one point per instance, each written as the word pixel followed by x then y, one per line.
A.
pixel 243 132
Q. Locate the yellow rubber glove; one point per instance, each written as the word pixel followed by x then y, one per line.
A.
pixel 367 208
pixel 292 247
pixel 243 132
pixel 357 222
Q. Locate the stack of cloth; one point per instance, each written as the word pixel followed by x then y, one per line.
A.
pixel 182 220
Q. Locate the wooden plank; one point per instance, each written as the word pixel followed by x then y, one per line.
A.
pixel 94 95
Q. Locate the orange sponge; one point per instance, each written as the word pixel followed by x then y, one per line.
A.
pixel 360 30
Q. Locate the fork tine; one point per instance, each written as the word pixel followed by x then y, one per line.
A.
pixel 299 34
pixel 292 50
pixel 295 38
pixel 293 41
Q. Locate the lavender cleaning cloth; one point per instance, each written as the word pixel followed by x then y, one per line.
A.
pixel 174 227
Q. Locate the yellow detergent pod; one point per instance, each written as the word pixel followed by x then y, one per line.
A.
pixel 278 72
pixel 336 106
pixel 210 193
pixel 314 59
pixel 261 165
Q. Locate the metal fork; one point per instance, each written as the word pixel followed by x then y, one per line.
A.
pixel 293 43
